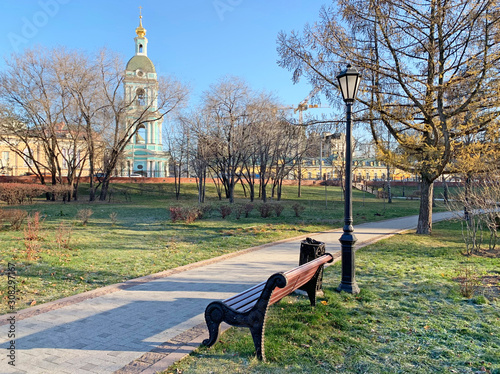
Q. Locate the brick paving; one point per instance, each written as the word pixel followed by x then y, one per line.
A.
pixel 147 324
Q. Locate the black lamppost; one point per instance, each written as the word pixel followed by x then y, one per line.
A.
pixel 349 82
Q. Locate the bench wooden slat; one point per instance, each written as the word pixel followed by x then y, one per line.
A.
pixel 246 299
pixel 279 293
pixel 296 280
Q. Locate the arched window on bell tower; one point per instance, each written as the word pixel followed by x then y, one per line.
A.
pixel 141 96
pixel 141 134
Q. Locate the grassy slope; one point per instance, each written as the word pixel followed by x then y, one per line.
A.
pixel 409 318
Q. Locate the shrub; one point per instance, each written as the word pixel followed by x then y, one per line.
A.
pixel 238 211
pixel 113 217
pixel 468 278
pixel 63 235
pixel 15 217
pixel 175 213
pixel 265 210
pixel 278 209
pixel 18 193
pixel 185 214
pixel 32 231
pixel 225 210
pixel 191 214
pixel 84 215
pixel 32 236
pixel 248 209
pixel 298 209
pixel 204 210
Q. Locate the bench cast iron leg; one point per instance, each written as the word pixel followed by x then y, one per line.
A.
pixel 214 315
pixel 311 286
pixel 255 319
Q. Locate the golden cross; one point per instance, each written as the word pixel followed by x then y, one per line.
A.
pixel 140 11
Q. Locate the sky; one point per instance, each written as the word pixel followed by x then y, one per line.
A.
pixel 196 41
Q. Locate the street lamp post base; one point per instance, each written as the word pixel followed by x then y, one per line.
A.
pixel 348 280
pixel 351 288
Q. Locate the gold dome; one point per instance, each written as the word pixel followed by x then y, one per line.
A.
pixel 140 31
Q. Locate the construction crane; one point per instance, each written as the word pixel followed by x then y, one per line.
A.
pixel 303 105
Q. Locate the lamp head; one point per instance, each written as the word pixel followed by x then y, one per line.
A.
pixel 349 83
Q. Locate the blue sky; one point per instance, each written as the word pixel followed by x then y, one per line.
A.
pixel 197 41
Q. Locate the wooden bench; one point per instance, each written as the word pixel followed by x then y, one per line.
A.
pixel 249 308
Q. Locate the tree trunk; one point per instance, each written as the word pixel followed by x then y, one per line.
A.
pixel 424 225
pixel 104 189
pixel 251 186
pixel 231 193
pixel 299 192
pixel 263 190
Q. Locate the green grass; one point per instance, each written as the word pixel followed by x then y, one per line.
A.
pixel 410 317
pixel 145 241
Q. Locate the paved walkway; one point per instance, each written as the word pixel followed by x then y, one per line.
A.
pixel 147 324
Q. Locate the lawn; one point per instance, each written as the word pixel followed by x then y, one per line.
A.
pixel 132 235
pixel 410 317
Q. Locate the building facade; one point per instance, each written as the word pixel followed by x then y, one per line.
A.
pixel 144 155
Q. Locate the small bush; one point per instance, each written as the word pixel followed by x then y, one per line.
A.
pixel 469 280
pixel 63 236
pixel 15 217
pixel 191 214
pixel 185 214
pixel 84 215
pixel 205 209
pixel 32 231
pixel 298 209
pixel 278 209
pixel 114 218
pixel 248 209
pixel 238 211
pixel 265 210
pixel 175 213
pixel 225 210
pixel 32 236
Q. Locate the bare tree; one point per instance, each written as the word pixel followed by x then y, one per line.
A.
pixel 177 141
pixel 425 66
pixel 225 104
pixel 35 88
pixel 265 127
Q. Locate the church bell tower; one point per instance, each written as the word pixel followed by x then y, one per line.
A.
pixel 144 154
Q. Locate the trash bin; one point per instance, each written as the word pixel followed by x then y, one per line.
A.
pixel 311 249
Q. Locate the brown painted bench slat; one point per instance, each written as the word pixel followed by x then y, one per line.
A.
pixel 249 308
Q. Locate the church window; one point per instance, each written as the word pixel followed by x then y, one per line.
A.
pixel 141 134
pixel 140 48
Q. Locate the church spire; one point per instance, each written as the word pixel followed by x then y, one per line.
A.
pixel 141 42
pixel 140 31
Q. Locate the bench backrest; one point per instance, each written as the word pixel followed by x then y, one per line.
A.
pixel 296 278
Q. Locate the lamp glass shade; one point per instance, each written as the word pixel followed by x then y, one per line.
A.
pixel 349 83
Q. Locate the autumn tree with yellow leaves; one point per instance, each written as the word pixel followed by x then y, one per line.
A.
pixel 430 77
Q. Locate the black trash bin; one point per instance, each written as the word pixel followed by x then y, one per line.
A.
pixel 311 249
